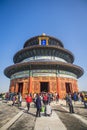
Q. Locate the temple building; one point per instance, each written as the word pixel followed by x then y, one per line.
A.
pixel 43 65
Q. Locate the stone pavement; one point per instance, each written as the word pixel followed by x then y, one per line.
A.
pixel 49 123
pixel 7 118
pixel 80 111
pixel 78 108
pixel 54 122
pixel 7 112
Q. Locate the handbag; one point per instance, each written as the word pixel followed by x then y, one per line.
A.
pixel 42 109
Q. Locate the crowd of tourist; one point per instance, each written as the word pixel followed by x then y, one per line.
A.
pixel 75 97
pixel 42 101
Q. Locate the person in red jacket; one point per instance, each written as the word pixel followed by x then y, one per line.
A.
pixel 28 101
pixel 45 99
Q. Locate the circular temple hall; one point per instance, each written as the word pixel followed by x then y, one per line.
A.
pixel 43 65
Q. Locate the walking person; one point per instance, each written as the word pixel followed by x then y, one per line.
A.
pixel 38 105
pixel 28 101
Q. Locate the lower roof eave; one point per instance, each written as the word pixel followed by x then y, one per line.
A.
pixel 43 65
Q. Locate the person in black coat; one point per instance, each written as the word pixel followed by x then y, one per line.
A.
pixel 69 100
pixel 38 105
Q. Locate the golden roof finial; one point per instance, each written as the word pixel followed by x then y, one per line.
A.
pixel 43 34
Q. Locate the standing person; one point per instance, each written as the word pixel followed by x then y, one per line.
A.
pixel 66 98
pixel 45 99
pixel 14 99
pixel 57 97
pixel 19 100
pixel 79 97
pixel 75 97
pixel 28 101
pixel 48 110
pixel 38 105
pixel 85 101
pixel 49 98
pixel 69 100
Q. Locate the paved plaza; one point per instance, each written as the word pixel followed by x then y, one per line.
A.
pixel 14 118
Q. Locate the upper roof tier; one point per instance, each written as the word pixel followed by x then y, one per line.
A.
pixel 43 45
pixel 43 40
pixel 38 50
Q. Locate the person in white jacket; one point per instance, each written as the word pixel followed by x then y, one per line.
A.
pixel 48 110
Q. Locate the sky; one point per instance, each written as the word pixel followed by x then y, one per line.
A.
pixel 22 19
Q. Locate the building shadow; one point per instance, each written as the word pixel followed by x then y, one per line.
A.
pixel 79 107
pixel 30 113
pixel 63 111
pixel 21 108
